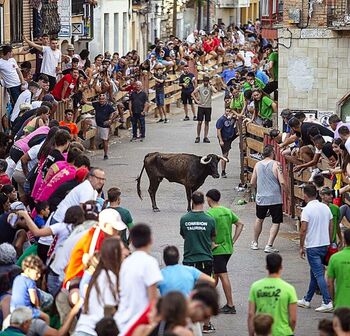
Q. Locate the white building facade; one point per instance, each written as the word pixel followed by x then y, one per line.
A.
pixel 111 27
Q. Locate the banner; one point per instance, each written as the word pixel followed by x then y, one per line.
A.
pixel 243 3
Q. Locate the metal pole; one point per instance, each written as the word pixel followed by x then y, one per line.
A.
pixel 199 18
pixel 174 16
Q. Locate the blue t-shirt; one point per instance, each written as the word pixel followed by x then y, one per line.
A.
pixel 227 127
pixel 262 76
pixel 39 221
pixel 178 278
pixel 102 113
pixel 20 295
pixel 228 74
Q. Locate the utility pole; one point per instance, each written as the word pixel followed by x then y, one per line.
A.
pixel 199 16
pixel 174 16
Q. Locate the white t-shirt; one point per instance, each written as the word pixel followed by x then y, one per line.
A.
pixel 33 154
pixel 24 97
pixel 241 38
pixel 87 322
pixel 137 273
pixel 80 194
pixel 61 232
pixel 317 215
pixel 248 55
pixel 347 145
pixel 8 72
pixel 51 58
pixel 65 248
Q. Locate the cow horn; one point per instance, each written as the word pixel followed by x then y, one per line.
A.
pixel 223 158
pixel 204 160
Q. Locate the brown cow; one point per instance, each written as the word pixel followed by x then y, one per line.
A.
pixel 187 169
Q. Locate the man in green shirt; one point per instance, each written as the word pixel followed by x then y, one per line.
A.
pixel 326 195
pixel 252 82
pixel 237 102
pixel 339 271
pixel 223 244
pixel 273 296
pixel 114 199
pixel 198 231
pixel 272 65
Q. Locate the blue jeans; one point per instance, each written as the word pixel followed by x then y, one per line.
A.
pixel 14 93
pixel 315 257
pixel 53 283
pixel 134 120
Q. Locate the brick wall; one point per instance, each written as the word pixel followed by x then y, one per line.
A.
pixel 27 18
pixel 318 18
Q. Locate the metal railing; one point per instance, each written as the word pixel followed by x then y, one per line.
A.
pixel 338 14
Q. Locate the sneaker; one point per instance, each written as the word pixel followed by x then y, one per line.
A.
pixel 223 175
pixel 160 120
pixel 166 121
pixel 197 140
pixel 206 140
pixel 208 329
pixel 226 309
pixel 195 118
pixel 186 118
pixel 325 308
pixel 303 303
pixel 313 173
pixel 142 138
pixel 105 157
pixel 133 139
pixel 270 249
pixel 254 245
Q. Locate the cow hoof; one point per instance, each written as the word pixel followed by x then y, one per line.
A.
pixel 156 210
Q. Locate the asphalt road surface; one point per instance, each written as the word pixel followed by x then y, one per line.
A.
pixel 246 266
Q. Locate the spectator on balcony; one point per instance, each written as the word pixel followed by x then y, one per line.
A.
pixel 51 64
pixel 11 74
pixel 65 86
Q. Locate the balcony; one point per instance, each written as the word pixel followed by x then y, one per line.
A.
pixel 271 17
pixel 228 3
pixel 338 15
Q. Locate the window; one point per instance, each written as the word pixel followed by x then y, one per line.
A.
pixel 264 7
pixel 106 32
pixel 116 32
pixel 77 7
pixel 1 24
pixel 125 32
pixel 16 20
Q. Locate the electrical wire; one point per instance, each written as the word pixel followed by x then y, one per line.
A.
pixel 290 40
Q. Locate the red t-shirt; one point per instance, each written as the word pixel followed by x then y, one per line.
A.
pixel 208 46
pixel 4 179
pixel 216 42
pixel 57 90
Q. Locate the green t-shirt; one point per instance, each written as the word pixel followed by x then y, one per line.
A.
pixel 127 219
pixel 259 84
pixel 237 103
pixel 339 269
pixel 336 215
pixel 274 58
pixel 273 296
pixel 197 228
pixel 265 108
pixel 224 219
pixel 12 331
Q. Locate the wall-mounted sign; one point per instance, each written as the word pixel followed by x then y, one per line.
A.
pixel 64 11
pixel 77 28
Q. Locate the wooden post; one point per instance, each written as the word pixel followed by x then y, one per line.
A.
pixel 174 16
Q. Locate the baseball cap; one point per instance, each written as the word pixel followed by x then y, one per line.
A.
pixel 206 78
pixel 70 47
pixel 50 98
pixel 326 191
pixel 111 217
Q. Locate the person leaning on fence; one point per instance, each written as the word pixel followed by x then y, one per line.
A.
pixel 269 181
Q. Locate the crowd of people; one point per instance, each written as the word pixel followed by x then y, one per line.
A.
pixel 71 258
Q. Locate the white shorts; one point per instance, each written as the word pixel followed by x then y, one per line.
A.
pixel 103 133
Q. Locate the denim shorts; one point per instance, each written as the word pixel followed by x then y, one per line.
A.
pixel 160 99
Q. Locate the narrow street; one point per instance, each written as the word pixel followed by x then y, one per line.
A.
pixel 245 266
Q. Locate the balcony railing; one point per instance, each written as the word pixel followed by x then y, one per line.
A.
pixel 339 14
pixel 271 13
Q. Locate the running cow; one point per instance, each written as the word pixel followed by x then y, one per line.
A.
pixel 187 169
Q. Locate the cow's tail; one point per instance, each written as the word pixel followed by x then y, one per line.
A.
pixel 139 182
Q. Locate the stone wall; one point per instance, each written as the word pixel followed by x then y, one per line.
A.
pixel 315 72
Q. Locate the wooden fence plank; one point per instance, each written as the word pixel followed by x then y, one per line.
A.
pixel 256 145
